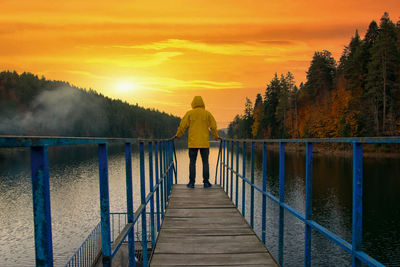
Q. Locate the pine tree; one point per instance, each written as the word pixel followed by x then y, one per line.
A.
pixel 258 112
pixel 320 75
pixel 382 72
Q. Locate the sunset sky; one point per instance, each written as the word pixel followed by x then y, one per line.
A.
pixel 162 53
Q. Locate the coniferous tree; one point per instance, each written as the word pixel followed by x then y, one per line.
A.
pixel 382 74
pixel 320 75
pixel 258 112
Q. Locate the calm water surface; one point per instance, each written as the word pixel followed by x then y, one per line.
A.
pixel 75 202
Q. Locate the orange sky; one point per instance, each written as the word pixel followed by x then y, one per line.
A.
pixel 161 53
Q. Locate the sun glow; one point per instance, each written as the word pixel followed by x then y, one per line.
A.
pixel 125 86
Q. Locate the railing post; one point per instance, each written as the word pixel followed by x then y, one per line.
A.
pixel 218 162
pixel 223 163
pixel 264 187
pixel 357 202
pixel 308 204
pixel 41 206
pixel 104 205
pixel 157 181
pixel 227 168
pixel 162 180
pixel 151 185
pixel 170 168
pixel 243 182
pixel 231 170
pixel 252 187
pixel 129 202
pixel 143 202
pixel 165 175
pixel 281 199
pixel 237 174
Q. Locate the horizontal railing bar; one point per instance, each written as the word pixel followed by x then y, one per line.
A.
pixel 138 212
pixel 365 140
pixel 120 238
pixel 155 140
pixel 293 211
pixel 28 141
pixel 253 185
pixel 368 259
pixel 331 236
pixel 276 200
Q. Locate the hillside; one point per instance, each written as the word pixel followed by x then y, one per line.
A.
pixel 30 105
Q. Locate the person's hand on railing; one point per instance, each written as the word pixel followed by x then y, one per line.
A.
pixel 174 137
pixel 218 138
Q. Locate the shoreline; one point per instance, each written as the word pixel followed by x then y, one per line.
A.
pixel 342 150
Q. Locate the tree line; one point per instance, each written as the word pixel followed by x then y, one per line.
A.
pixel 357 96
pixel 30 105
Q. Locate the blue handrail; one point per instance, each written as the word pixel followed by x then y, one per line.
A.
pixel 355 247
pixel 164 173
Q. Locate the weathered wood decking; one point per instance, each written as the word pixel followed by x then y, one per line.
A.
pixel 203 228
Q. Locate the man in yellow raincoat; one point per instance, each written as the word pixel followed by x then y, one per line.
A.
pixel 199 121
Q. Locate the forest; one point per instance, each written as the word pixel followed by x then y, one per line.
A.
pixel 30 105
pixel 357 96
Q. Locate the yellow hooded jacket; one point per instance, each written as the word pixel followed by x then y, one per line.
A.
pixel 199 121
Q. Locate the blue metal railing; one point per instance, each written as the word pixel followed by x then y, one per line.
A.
pixel 226 167
pixel 89 251
pixel 164 170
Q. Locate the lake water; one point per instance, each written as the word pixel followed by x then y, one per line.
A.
pixel 75 202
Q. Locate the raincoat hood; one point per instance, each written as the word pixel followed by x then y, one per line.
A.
pixel 198 102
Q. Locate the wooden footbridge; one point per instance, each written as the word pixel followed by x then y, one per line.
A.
pixel 202 227
pixel 190 227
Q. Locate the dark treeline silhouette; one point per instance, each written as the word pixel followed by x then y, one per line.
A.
pixel 35 106
pixel 358 96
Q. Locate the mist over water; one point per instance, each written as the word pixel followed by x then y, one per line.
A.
pixel 75 202
pixel 55 112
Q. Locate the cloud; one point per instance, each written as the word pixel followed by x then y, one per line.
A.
pixel 263 48
pixel 87 74
pixel 135 61
pixel 172 85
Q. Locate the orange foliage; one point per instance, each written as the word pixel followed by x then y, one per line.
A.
pixel 329 116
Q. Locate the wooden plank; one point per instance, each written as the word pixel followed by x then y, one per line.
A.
pixel 197 186
pixel 233 240
pixel 187 247
pixel 221 222
pixel 246 259
pixel 171 212
pixel 239 230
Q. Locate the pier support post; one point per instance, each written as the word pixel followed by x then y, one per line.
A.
pixel 143 202
pixel 104 206
pixel 308 205
pixel 264 188
pixel 129 202
pixel 357 202
pixel 252 187
pixel 41 206
pixel 243 182
pixel 281 199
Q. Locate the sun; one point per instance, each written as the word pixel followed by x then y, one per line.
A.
pixel 125 86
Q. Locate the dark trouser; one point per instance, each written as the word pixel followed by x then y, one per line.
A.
pixel 192 166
